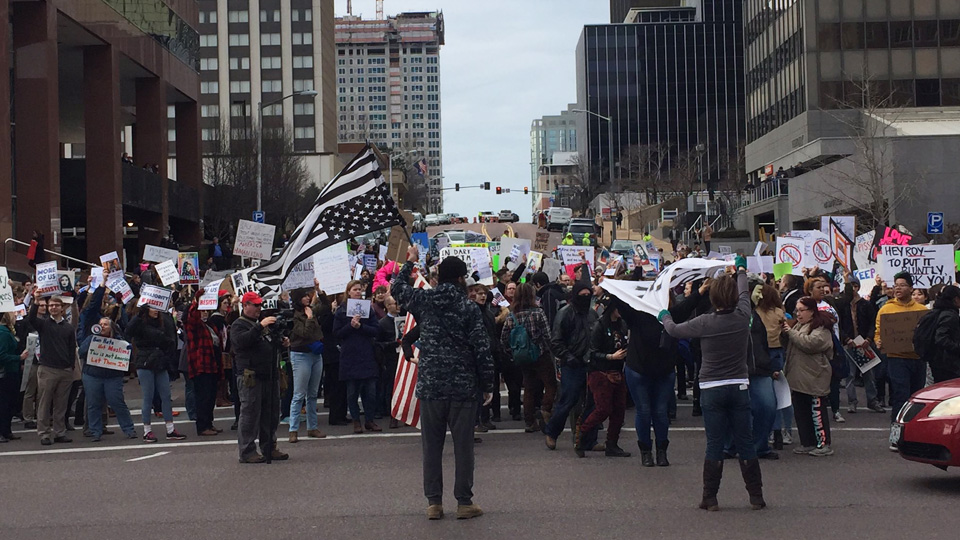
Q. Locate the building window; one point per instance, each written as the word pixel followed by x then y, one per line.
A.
pixel 300 85
pixel 209 87
pixel 239 87
pixel 304 132
pixel 270 62
pixel 273 110
pixel 271 85
pixel 208 40
pixel 305 38
pixel 269 16
pixel 208 134
pixel 171 135
pixel 239 40
pixel 240 63
pixel 240 109
pixel 269 39
pixel 238 16
pixel 303 62
pixel 208 17
pixel 208 64
pixel 302 109
pixel 209 111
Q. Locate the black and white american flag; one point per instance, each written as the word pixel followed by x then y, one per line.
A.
pixel 354 203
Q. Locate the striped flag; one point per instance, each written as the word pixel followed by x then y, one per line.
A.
pixel 404 405
pixel 354 203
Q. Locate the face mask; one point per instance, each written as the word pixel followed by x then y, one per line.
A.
pixel 581 302
pixel 757 294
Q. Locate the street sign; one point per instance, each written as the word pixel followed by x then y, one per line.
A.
pixel 934 222
pixel 258 216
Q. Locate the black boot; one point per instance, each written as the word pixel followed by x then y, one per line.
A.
pixel 662 454
pixel 612 450
pixel 712 473
pixel 753 480
pixel 578 442
pixel 697 411
pixel 646 454
pixel 777 440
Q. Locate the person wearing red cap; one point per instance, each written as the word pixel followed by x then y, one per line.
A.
pixel 257 367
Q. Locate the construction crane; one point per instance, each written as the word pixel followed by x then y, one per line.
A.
pixel 379 10
pixel 349 7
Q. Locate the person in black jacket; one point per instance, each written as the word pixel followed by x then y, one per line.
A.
pixel 945 361
pixel 334 390
pixel 153 337
pixel 388 348
pixel 608 349
pixel 858 318
pixel 551 295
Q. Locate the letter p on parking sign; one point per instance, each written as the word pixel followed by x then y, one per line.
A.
pixel 934 222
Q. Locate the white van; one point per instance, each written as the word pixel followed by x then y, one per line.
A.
pixel 558 217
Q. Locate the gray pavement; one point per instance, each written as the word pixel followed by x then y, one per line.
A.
pixel 369 486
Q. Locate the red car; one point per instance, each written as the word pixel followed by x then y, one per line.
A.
pixel 929 426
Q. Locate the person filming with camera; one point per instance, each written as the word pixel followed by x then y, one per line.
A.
pixel 257 350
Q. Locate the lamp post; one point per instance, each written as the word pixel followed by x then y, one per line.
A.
pixel 260 107
pixel 609 121
pixel 700 148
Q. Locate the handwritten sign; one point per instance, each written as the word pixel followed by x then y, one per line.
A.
pixel 370 262
pixel 109 353
pixel 120 286
pixel 47 279
pixel 929 265
pixel 210 296
pixel 188 264
pixel 300 276
pixel 158 254
pixel 896 333
pixel 331 268
pixel 241 282
pixel 6 292
pixel 167 271
pixel 97 275
pixel 481 263
pixel 156 297
pixel 110 263
pixel 254 240
pixel 542 242
pixel 573 256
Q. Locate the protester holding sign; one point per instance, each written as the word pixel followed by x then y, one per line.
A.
pixel 102 384
pixel 154 337
pixel 906 372
pixel 56 371
pixel 203 356
pixel 9 375
pixel 358 362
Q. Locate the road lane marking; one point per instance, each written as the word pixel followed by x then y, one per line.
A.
pixel 151 456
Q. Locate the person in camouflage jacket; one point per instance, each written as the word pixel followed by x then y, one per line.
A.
pixel 455 365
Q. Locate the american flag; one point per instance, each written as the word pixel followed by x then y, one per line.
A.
pixel 422 167
pixel 356 202
pixel 404 405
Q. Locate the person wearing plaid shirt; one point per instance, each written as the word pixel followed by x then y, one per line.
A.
pixel 203 354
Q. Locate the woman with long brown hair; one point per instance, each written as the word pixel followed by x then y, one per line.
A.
pixel 539 373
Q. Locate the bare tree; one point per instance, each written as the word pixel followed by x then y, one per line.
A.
pixel 684 179
pixel 583 184
pixel 646 166
pixel 732 182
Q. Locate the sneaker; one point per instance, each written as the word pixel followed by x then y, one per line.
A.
pixel 175 436
pixel 131 435
pixel 822 451
pixel 877 407
pixel 467 511
pixel 95 438
pixel 435 511
pixel 46 441
pixel 285 421
pixel 852 409
pixel 800 450
pixel 480 428
pixel 30 425
pixel 149 437
pixel 894 447
pixel 838 418
pixel 787 437
pixel 255 458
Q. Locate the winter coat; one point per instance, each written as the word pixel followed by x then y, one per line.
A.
pixel 552 298
pixel 152 342
pixel 571 336
pixel 808 359
pixel 305 331
pixel 946 339
pixel 358 357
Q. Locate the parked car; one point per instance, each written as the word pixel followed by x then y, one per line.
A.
pixel 507 216
pixel 489 217
pixel 558 217
pixel 927 428
pixel 418 225
pixel 623 247
pixel 456 218
pixel 579 228
pixel 431 220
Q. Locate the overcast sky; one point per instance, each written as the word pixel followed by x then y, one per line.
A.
pixel 505 63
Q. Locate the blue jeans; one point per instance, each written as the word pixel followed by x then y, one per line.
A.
pixel 366 389
pixel 110 389
pixel 307 370
pixel 726 409
pixel 763 407
pixel 652 397
pixel 906 377
pixel 158 381
pixel 572 382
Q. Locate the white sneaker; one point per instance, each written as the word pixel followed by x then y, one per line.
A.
pixel 787 438
pixel 838 418
pixel 821 452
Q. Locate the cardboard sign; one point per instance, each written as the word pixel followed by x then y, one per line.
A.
pixel 120 286
pixel 158 254
pixel 6 292
pixel 110 263
pixel 109 353
pixel 167 272
pixel 47 279
pixel 358 307
pixel 210 297
pixel 156 297
pixel 397 242
pixel 254 240
pixel 188 264
pixel 331 268
pixel 791 250
pixel 929 265
pixel 896 333
pixel 300 276
pixel 542 242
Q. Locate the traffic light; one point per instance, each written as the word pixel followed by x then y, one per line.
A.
pixel 526 190
pixel 486 186
pixel 499 190
pixel 456 187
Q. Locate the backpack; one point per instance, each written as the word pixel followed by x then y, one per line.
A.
pixel 525 351
pixel 924 333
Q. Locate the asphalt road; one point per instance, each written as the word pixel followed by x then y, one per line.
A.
pixel 369 486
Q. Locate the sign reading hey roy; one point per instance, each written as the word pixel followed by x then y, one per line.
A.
pixel 928 264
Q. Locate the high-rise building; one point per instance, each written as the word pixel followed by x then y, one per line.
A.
pixel 260 51
pixel 620 9
pixel 388 88
pixel 549 135
pixel 821 74
pixel 672 78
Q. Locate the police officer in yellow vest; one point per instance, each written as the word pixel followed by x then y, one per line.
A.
pixel 567 240
pixel 586 239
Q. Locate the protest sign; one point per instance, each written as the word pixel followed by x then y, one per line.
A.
pixel 542 242
pixel 331 268
pixel 761 247
pixel 97 275
pixel 846 224
pixel 254 240
pixel 499 299
pixel 167 272
pixel 110 263
pixel 863 250
pixel 781 269
pixel 382 253
pixel 515 248
pixel 896 333
pixel 211 295
pixel 576 255
pixel 188 264
pixel 300 276
pixel 841 245
pixel 212 275
pixel 481 264
pixel 358 271
pixel 20 310
pixel 817 250
pixel 358 307
pixel 370 262
pixel 6 292
pixel 119 285
pixel 534 262
pixel 791 250
pixel 461 252
pixel 725 250
pixel 65 279
pixel 47 282
pixel 552 268
pixel 241 283
pixel 862 354
pixel 156 297
pixel 397 242
pixel 423 247
pixel 158 254
pixel 928 264
pixel 109 353
pixel 867 278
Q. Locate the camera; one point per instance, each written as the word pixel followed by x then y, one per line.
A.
pixel 282 328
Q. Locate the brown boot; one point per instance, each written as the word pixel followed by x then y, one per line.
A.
pixel 316 434
pixel 372 426
pixel 357 428
pixel 712 473
pixel 294 436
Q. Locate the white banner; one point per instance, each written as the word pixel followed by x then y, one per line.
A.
pixel 210 296
pixel 254 240
pixel 167 272
pixel 654 297
pixel 928 264
pixel 158 254
pixel 156 297
pixel 331 268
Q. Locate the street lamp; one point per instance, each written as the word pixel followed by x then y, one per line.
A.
pixel 700 148
pixel 609 121
pixel 260 107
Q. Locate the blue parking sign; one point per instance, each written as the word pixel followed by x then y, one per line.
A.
pixel 258 216
pixel 934 222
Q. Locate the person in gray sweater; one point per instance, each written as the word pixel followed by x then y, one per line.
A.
pixel 724 383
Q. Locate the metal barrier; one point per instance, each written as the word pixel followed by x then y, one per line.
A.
pixel 7 242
